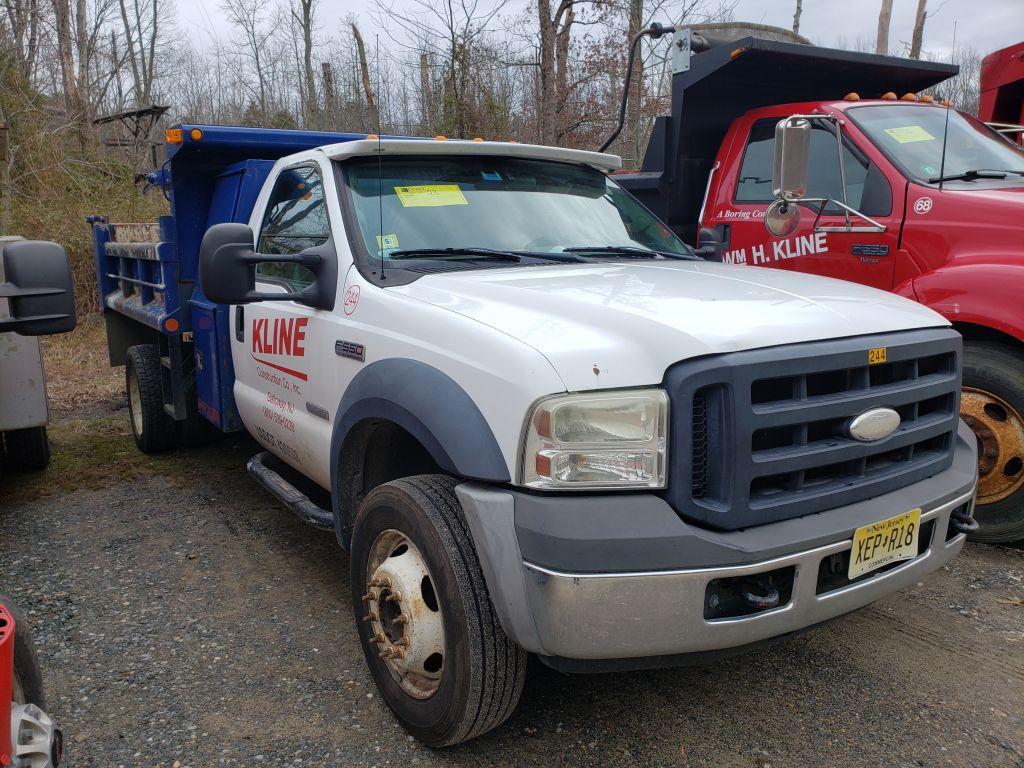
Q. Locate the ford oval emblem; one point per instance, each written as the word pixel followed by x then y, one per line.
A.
pixel 874 424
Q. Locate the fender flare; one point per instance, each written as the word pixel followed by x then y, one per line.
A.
pixel 429 405
pixel 980 294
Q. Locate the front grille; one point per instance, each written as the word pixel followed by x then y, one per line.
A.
pixel 764 434
pixel 699 446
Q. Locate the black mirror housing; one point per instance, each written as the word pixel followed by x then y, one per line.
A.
pixel 38 288
pixel 226 276
pixel 709 245
pixel 227 269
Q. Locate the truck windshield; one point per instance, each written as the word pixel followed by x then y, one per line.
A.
pixel 454 204
pixel 911 136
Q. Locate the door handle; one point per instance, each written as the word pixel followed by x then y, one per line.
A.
pixel 239 323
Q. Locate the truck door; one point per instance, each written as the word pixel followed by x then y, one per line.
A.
pixel 285 384
pixel 746 192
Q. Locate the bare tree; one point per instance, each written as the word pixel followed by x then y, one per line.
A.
pixel 555 26
pixel 304 18
pixel 884 19
pixel 918 36
pixel 364 72
pixel 796 16
pixel 248 17
pixel 141 28
pixel 23 20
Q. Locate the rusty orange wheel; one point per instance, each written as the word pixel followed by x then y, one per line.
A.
pixel 1000 431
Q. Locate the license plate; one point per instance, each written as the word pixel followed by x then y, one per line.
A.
pixel 886 542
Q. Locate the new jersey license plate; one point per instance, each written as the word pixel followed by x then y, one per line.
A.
pixel 886 542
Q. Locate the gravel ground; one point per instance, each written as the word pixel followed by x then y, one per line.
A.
pixel 184 619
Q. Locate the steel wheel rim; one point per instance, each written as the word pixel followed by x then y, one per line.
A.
pixel 406 624
pixel 135 402
pixel 999 428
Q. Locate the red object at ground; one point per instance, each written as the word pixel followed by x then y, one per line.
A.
pixel 6 683
pixel 1002 87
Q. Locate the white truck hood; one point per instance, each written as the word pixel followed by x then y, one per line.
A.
pixel 621 325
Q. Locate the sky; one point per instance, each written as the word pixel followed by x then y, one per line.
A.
pixel 985 25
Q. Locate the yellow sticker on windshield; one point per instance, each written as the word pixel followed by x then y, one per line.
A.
pixel 430 195
pixel 908 134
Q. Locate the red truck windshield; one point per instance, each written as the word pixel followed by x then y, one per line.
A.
pixel 911 136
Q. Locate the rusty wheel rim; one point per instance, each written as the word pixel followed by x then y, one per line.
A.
pixel 406 624
pixel 1000 432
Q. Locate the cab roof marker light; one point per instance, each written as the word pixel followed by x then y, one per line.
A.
pixel 372 137
pixel 195 134
pixel 852 96
pixel 926 99
pixel 439 137
pixel 888 96
pixel 908 97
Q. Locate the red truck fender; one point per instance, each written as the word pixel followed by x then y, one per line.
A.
pixel 985 295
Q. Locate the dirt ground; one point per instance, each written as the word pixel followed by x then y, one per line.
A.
pixel 184 618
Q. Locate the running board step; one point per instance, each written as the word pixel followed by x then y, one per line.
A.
pixel 288 494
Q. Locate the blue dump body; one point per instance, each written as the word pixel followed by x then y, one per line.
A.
pixel 147 273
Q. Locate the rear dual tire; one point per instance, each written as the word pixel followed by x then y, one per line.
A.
pixel 152 427
pixel 481 670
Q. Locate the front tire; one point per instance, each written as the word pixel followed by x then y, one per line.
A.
pixel 152 427
pixel 992 404
pixel 28 450
pixel 428 629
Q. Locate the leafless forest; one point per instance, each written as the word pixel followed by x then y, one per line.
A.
pixel 549 72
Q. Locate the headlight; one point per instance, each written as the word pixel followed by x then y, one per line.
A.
pixel 597 440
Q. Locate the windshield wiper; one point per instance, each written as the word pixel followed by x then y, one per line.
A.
pixel 629 251
pixel 977 173
pixel 475 253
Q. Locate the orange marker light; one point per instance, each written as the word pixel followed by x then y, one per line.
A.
pixel 852 96
pixel 888 96
pixel 174 136
pixel 195 134
pixel 908 97
pixel 477 138
pixel 440 138
pixel 736 53
pixel 372 137
pixel 171 325
pixel 926 99
pixel 511 141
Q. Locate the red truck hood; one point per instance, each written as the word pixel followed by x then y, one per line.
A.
pixel 962 226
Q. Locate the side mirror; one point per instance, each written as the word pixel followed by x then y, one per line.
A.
pixel 792 158
pixel 227 269
pixel 782 218
pixel 37 285
pixel 709 245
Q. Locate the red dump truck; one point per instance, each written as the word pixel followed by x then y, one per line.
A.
pixel 899 192
pixel 1002 91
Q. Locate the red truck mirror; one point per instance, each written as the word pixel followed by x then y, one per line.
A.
pixel 37 285
pixel 792 158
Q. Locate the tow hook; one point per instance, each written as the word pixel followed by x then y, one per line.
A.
pixel 759 593
pixel 962 522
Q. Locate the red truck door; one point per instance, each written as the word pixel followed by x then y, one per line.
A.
pixel 743 193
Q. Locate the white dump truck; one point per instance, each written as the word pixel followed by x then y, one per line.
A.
pixel 537 421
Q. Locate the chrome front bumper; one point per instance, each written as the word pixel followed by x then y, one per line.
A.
pixel 624 615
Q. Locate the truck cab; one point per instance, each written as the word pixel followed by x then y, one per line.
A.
pixel 902 194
